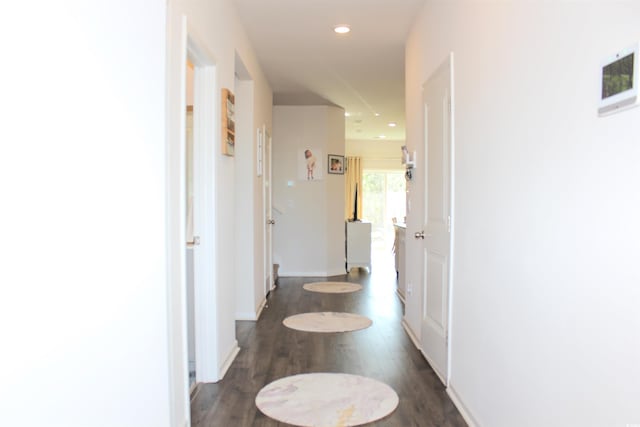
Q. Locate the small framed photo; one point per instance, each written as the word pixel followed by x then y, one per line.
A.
pixel 336 164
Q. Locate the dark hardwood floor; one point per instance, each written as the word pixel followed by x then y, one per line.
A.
pixel 270 351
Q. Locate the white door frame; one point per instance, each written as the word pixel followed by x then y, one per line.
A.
pixel 205 106
pixel 452 183
pixel 181 45
pixel 175 213
pixel 268 214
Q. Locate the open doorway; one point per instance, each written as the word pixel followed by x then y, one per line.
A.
pixel 205 132
pixel 383 204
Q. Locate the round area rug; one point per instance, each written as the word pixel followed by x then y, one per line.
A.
pixel 332 287
pixel 327 322
pixel 324 399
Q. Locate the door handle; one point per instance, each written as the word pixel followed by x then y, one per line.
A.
pixel 421 235
pixel 195 242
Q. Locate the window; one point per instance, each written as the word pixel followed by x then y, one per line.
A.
pixel 383 199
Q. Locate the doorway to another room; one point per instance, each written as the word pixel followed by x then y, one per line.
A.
pixel 197 186
pixel 384 205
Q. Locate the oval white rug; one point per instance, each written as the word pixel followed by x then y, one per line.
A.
pixel 324 399
pixel 327 322
pixel 332 287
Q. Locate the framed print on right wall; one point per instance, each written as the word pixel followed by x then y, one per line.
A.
pixel 335 164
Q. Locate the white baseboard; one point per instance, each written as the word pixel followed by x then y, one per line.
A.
pixel 469 419
pixel 252 316
pixel 337 272
pixel 433 366
pixel 260 308
pixel 192 388
pixel 305 274
pixel 229 360
pixel 416 342
pixel 412 336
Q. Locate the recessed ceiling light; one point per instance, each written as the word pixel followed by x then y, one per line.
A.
pixel 347 114
pixel 376 114
pixel 341 29
pixel 392 124
pixel 381 136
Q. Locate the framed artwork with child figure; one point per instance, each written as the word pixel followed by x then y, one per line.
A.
pixel 335 164
pixel 310 166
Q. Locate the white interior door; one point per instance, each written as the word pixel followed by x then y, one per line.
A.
pixel 191 337
pixel 268 214
pixel 436 233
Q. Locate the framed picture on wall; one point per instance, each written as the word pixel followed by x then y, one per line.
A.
pixel 310 167
pixel 336 164
pixel 228 123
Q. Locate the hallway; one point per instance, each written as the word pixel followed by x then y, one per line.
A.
pixel 383 352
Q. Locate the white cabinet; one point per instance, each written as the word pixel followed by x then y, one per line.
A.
pixel 358 245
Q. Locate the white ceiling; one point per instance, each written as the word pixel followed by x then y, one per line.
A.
pixel 306 63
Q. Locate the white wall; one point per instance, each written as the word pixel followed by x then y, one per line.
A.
pixel 83 301
pixel 215 27
pixel 545 321
pixel 308 237
pixel 381 155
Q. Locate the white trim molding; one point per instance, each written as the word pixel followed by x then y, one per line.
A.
pixel 252 316
pixel 411 334
pixel 469 419
pixel 320 274
pixel 228 360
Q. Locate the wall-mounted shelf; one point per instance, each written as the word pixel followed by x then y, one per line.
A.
pixel 228 123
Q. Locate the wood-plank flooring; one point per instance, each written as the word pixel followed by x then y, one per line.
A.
pixel 270 351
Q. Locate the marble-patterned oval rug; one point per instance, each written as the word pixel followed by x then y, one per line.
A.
pixel 325 399
pixel 332 287
pixel 327 322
